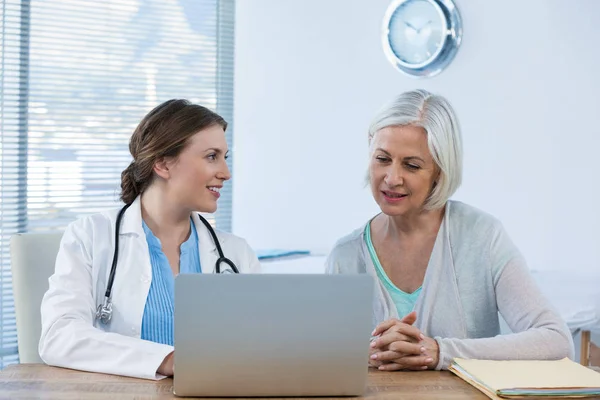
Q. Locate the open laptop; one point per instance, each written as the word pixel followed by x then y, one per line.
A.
pixel 272 335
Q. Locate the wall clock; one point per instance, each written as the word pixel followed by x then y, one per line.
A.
pixel 421 37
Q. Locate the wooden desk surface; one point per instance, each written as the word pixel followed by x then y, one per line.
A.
pixel 26 381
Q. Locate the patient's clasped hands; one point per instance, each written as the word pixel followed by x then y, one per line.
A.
pixel 397 345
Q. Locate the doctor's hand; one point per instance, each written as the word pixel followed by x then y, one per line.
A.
pixel 166 367
pixel 402 346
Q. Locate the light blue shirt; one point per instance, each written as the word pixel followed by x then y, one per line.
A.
pixel 405 302
pixel 157 323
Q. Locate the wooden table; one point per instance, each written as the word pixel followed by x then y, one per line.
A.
pixel 27 381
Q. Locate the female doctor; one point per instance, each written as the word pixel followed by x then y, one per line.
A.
pixel 179 165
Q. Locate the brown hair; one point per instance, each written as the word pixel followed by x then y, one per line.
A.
pixel 163 132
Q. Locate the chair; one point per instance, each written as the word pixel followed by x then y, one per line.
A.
pixel 32 262
pixel 585 348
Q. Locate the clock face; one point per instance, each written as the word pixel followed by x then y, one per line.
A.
pixel 417 32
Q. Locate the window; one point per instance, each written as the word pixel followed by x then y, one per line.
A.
pixel 76 77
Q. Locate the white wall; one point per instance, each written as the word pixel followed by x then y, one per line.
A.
pixel 310 75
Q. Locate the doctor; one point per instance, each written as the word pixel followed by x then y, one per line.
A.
pixel 179 165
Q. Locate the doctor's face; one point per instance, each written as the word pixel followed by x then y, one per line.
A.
pixel 198 173
pixel 401 170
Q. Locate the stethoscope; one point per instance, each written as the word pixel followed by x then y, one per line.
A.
pixel 104 311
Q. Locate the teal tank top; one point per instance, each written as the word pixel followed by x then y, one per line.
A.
pixel 405 302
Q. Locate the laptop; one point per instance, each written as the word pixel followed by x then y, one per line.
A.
pixel 272 335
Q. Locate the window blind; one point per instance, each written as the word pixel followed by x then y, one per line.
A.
pixel 76 77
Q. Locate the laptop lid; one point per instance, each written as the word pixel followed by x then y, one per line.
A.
pixel 272 335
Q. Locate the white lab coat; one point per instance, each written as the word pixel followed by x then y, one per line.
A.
pixel 71 337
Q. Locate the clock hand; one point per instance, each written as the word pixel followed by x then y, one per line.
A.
pixel 423 26
pixel 411 26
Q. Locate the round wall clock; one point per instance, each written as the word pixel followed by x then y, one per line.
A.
pixel 421 37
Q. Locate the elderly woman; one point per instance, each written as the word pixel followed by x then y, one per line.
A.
pixel 443 269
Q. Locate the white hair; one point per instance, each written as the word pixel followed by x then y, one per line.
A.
pixel 434 114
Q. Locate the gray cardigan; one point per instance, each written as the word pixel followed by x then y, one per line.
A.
pixel 474 272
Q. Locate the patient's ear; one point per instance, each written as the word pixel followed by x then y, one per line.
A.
pixel 438 174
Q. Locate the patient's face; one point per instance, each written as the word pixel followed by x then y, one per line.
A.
pixel 401 169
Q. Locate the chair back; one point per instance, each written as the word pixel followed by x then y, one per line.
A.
pixel 33 256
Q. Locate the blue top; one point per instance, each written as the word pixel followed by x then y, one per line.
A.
pixel 405 302
pixel 157 323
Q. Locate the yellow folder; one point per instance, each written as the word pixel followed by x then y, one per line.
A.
pixel 528 379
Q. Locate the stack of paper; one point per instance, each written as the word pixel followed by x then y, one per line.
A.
pixel 526 379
